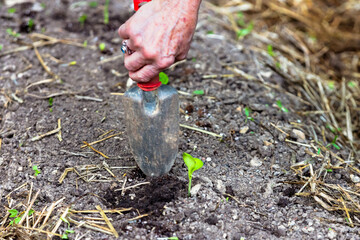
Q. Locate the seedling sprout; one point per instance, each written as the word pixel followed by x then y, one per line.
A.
pixel 198 92
pixel 11 10
pixel 82 19
pixel 270 50
pixel 68 230
pixel 1 47
pixel 102 46
pixel 192 164
pixel 36 169
pixel 93 4
pixel 106 12
pixel 247 111
pixel 282 108
pixel 12 33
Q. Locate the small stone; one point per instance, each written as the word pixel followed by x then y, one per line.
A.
pixel 1 160
pixel 208 159
pixel 282 230
pixel 195 189
pixel 220 186
pixel 244 129
pixel 255 162
pixel 9 68
pixel 354 178
pixel 299 135
pixel 332 234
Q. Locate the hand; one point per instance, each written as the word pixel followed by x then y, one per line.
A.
pixel 159 34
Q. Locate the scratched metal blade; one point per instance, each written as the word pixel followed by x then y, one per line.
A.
pixel 152 126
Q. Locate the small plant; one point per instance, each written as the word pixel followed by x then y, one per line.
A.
pixel 352 84
pixel 106 12
pixel 93 4
pixel 68 230
pixel 270 50
pixel 102 46
pixel 51 102
pixel 14 214
pixel 198 92
pixel 36 170
pixel 12 33
pixel 164 79
pixel 241 21
pixel 192 164
pixel 245 31
pixel 278 65
pixel 329 170
pixel 85 43
pixel 11 10
pixel 247 111
pixel 282 108
pixel 1 47
pixel 210 32
pixel 82 19
pixel 333 143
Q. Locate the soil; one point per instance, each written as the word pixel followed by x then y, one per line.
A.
pixel 242 190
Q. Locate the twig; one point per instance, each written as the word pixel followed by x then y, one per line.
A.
pixel 201 130
pixel 107 221
pixel 103 139
pixel 46 134
pixel 87 144
pixel 29 208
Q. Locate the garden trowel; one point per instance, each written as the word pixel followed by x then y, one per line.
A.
pixel 152 122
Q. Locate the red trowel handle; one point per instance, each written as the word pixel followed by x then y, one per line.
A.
pixel 137 3
pixel 153 83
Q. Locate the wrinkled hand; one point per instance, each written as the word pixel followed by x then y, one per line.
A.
pixel 159 34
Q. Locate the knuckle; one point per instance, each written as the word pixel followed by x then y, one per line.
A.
pixel 128 65
pixel 149 53
pixel 165 62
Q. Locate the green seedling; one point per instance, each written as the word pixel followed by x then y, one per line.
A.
pixel 36 170
pixel 193 59
pixel 17 216
pixel 333 143
pixel 247 112
pixel 72 63
pixel 51 102
pixel 245 31
pixel 192 164
pixel 102 46
pixel 210 32
pixel 352 84
pixel 329 170
pixel 1 47
pixel 68 230
pixel 11 10
pixel 270 50
pixel 319 151
pixel 85 43
pixel 331 85
pixel 282 108
pixel 164 79
pixel 82 19
pixel 43 5
pixel 241 20
pixel 93 4
pixel 106 12
pixel 12 33
pixel 278 65
pixel 198 92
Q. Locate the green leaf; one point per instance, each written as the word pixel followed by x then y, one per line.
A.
pixel 82 19
pixel 37 171
pixel 245 31
pixel 319 151
pixel 210 32
pixel 173 238
pixel 64 236
pixel 31 212
pixel 1 47
pixel 13 212
pixel 31 23
pixel 329 170
pixel 240 20
pixel 17 220
pixel 93 4
pixel 336 146
pixel 278 65
pixel 69 231
pixel 247 111
pixel 106 12
pixel 85 43
pixel 352 84
pixel 192 163
pixel 11 10
pixel 102 46
pixel 270 50
pixel 51 101
pixel 164 79
pixel 279 104
pixel 198 92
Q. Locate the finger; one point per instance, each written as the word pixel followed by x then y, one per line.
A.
pixel 144 74
pixel 134 62
pixel 123 31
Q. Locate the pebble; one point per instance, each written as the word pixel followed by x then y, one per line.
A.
pixel 299 135
pixel 9 68
pixel 208 159
pixel 332 234
pixel 1 160
pixel 354 178
pixel 195 189
pixel 282 230
pixel 220 186
pixel 255 162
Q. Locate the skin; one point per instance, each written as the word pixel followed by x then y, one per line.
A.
pixel 159 34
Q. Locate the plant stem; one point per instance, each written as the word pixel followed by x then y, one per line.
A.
pixel 189 194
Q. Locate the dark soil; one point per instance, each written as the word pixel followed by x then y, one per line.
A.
pixel 241 190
